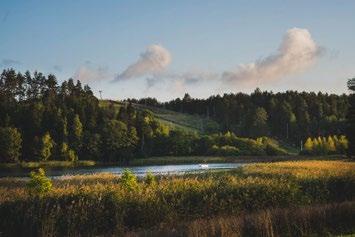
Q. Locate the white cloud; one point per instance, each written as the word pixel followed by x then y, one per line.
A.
pixel 151 62
pixel 297 52
pixel 89 73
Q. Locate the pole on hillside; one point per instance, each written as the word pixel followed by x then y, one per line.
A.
pixel 100 94
pixel 287 131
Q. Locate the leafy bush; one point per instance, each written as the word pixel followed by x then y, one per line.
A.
pixel 224 150
pixel 39 184
pixel 129 180
pixel 150 179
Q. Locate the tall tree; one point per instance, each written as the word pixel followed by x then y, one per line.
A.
pixel 10 144
pixel 258 122
pixel 47 145
pixel 350 131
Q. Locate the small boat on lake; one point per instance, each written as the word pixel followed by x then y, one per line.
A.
pixel 204 166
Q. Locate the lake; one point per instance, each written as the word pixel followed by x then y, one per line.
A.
pixel 138 170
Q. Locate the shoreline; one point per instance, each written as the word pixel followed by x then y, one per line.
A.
pixel 165 160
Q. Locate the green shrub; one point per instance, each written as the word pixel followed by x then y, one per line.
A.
pixel 150 179
pixel 39 184
pixel 225 150
pixel 129 180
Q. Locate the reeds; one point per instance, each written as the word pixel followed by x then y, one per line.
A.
pixel 100 205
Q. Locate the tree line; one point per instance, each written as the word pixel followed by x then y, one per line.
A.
pixel 290 116
pixel 43 120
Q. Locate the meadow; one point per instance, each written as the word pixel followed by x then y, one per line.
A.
pixel 311 192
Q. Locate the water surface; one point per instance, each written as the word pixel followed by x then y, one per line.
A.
pixel 138 170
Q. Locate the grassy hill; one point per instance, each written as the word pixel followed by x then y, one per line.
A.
pixel 175 120
pixel 190 123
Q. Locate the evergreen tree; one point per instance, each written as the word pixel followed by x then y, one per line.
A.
pixel 10 144
pixel 350 131
pixel 331 144
pixel 308 145
pixel 75 134
pixel 258 123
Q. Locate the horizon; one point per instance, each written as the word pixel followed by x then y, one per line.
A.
pixel 161 50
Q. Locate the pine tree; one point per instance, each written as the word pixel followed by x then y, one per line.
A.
pixel 350 131
pixel 316 146
pixel 76 133
pixel 10 144
pixel 330 145
pixel 343 144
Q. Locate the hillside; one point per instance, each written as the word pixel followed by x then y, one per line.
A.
pixel 175 120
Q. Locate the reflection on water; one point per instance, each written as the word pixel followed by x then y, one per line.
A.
pixel 138 170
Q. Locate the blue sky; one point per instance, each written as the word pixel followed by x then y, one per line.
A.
pixel 97 41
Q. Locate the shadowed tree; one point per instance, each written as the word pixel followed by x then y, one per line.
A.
pixel 350 131
pixel 10 144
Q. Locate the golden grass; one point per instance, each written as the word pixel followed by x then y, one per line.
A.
pixel 98 204
pixel 301 169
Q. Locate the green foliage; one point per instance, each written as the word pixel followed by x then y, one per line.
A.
pixel 225 150
pixel 150 179
pixel 48 115
pixel 68 154
pixel 258 122
pixel 129 180
pixel 76 133
pixel 39 184
pixel 350 122
pixel 47 145
pixel 10 144
pixel 308 146
pixel 118 141
pixel 325 145
pixel 288 116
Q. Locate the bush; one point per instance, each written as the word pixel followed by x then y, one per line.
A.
pixel 224 150
pixel 39 184
pixel 150 179
pixel 129 180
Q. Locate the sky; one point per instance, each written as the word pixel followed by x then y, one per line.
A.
pixel 164 49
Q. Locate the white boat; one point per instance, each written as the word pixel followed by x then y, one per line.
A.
pixel 203 166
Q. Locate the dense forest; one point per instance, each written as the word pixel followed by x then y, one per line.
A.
pixel 289 116
pixel 42 120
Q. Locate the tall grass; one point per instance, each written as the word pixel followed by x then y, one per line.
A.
pixel 318 220
pixel 100 204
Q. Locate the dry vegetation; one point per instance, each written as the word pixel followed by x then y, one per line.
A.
pixel 90 205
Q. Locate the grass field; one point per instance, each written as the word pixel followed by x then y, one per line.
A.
pixel 104 205
pixel 174 120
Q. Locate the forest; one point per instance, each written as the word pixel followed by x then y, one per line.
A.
pixel 290 115
pixel 42 120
